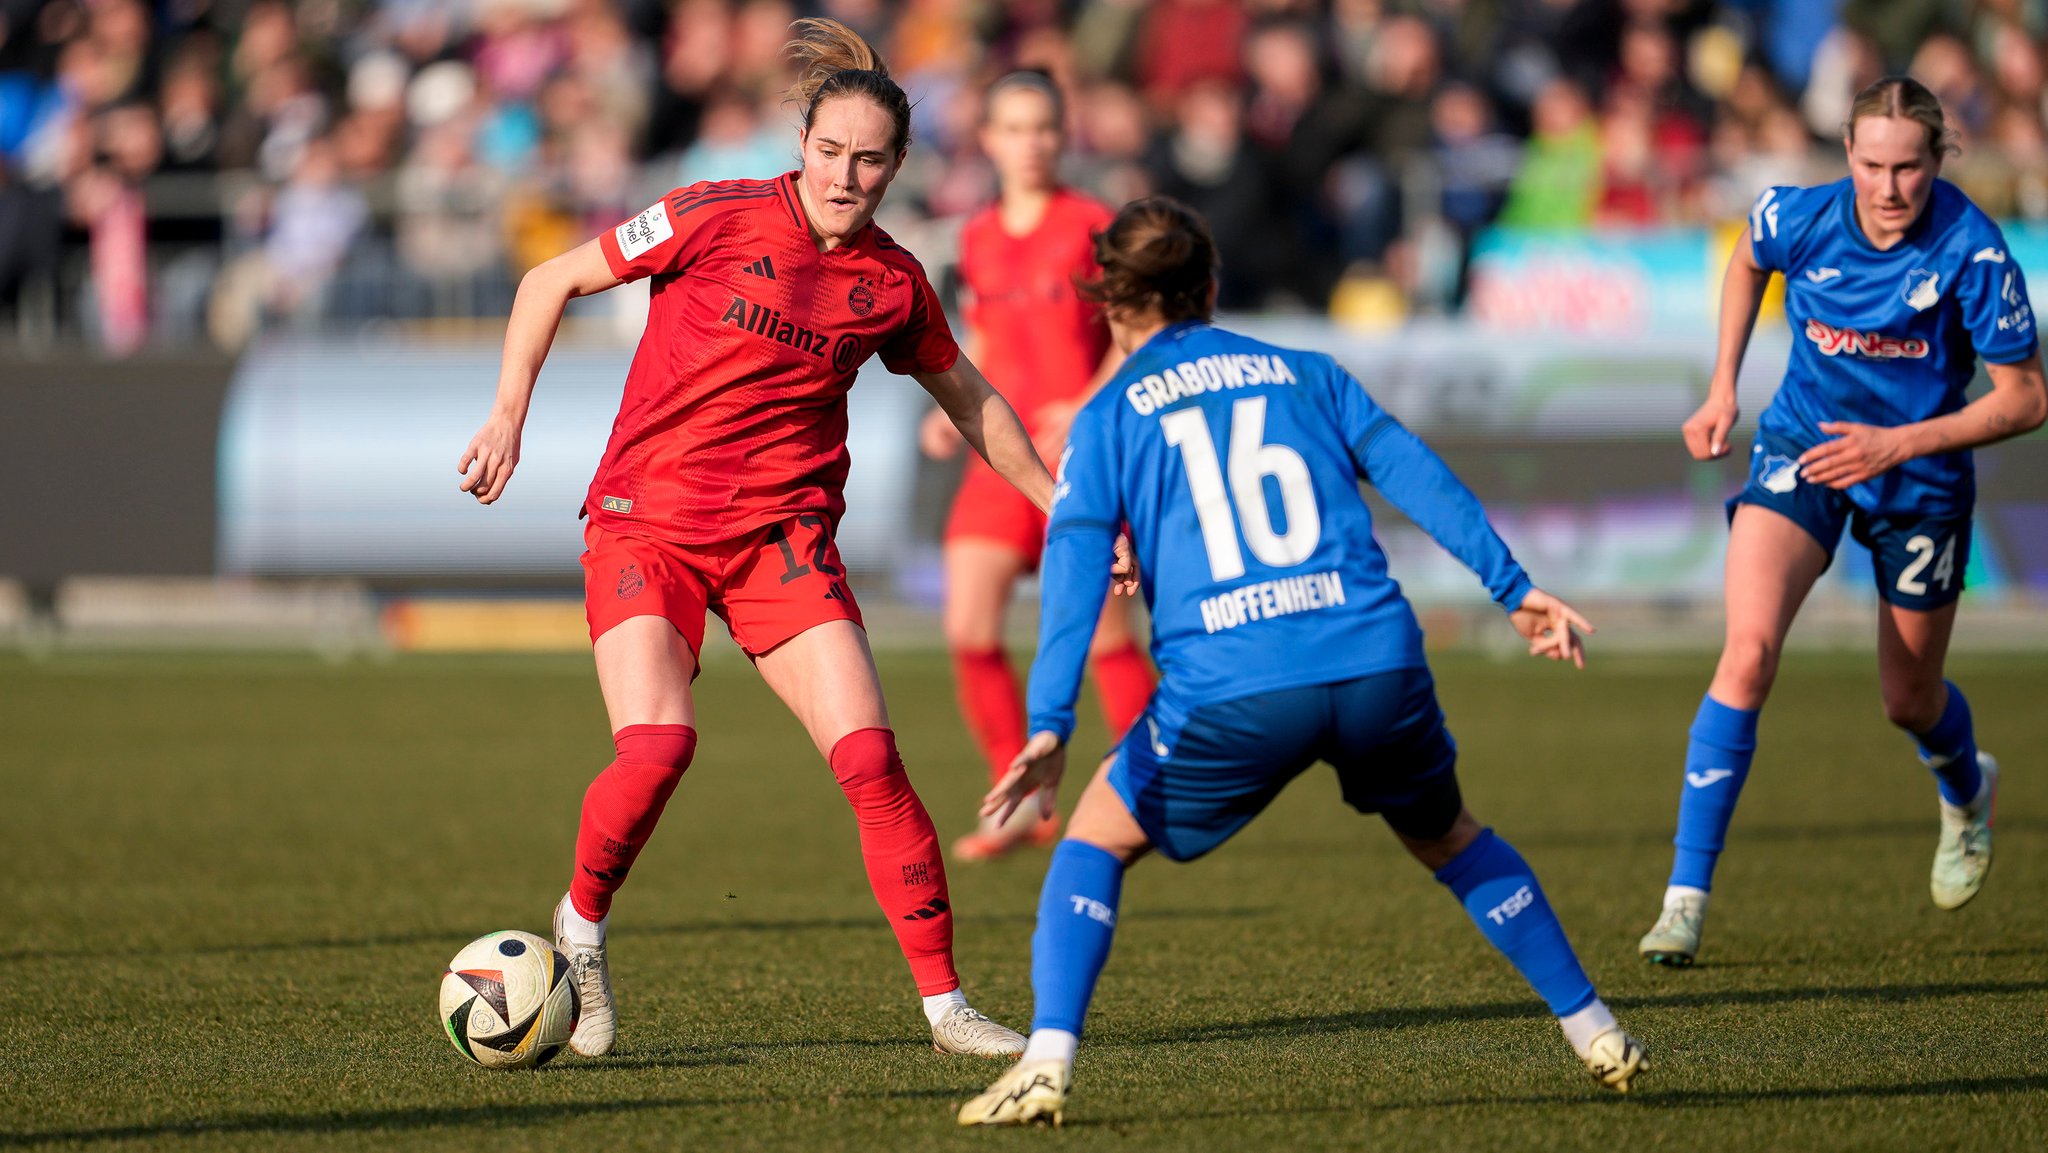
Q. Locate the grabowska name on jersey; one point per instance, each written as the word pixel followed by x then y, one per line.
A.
pixel 1206 374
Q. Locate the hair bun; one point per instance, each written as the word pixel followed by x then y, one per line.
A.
pixel 1156 255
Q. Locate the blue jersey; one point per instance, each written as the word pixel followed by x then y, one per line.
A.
pixel 1235 465
pixel 1889 338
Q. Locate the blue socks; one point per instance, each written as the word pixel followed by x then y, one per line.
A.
pixel 1716 763
pixel 1950 749
pixel 1500 892
pixel 1076 922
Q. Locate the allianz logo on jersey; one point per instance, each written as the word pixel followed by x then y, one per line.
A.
pixel 762 320
pixel 1874 345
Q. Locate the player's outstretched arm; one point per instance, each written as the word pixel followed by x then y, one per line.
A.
pixel 2016 404
pixel 990 427
pixel 1742 291
pixel 487 464
pixel 1552 627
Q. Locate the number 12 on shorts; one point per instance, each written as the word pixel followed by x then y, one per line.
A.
pixel 1923 549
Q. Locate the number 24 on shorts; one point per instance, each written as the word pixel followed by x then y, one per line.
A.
pixel 1923 548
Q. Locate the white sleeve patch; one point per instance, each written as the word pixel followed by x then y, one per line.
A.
pixel 644 231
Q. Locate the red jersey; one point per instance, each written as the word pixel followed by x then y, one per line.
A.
pixel 1040 341
pixel 734 414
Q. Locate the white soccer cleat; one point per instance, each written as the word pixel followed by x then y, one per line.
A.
pixel 1032 1091
pixel 1963 856
pixel 965 1031
pixel 1676 936
pixel 597 1027
pixel 1614 1058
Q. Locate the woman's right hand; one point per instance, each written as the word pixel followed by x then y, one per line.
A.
pixel 937 437
pixel 487 463
pixel 1706 433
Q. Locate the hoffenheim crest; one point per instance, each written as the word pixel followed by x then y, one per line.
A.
pixel 1779 474
pixel 1922 289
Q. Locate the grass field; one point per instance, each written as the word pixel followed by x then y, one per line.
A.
pixel 229 885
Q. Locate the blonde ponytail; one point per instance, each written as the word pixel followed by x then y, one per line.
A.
pixel 822 49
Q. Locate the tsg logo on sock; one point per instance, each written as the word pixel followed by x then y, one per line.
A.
pixel 1095 910
pixel 1522 899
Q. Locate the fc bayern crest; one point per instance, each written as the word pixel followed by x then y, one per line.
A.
pixel 631 583
pixel 861 300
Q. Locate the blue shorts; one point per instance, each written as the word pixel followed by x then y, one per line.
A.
pixel 1193 781
pixel 1919 560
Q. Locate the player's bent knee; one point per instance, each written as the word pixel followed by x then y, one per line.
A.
pixel 1914 708
pixel 1432 838
pixel 975 635
pixel 666 748
pixel 865 757
pixel 1749 664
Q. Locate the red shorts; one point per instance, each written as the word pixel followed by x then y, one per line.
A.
pixel 767 586
pixel 988 508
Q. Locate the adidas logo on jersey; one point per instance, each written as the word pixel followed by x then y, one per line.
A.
pixel 762 267
pixel 1876 345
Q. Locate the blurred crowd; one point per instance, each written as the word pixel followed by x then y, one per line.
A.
pixel 180 168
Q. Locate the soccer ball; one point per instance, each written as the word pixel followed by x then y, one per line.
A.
pixel 508 1001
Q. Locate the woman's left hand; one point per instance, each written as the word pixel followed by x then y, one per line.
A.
pixel 1035 770
pixel 1123 571
pixel 1858 453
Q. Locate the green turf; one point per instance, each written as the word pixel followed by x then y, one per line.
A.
pixel 229 885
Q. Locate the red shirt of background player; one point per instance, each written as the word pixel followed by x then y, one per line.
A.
pixel 1039 341
pixel 734 414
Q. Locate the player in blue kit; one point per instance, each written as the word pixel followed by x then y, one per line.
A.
pixel 1280 640
pixel 1895 286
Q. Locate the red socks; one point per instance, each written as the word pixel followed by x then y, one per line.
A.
pixel 992 704
pixel 621 807
pixel 901 850
pixel 1123 679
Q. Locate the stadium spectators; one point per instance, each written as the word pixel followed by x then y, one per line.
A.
pixel 1332 142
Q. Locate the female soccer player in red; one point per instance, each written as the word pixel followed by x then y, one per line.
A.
pixel 1047 349
pixel 722 484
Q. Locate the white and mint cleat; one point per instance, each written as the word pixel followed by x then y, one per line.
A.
pixel 1963 856
pixel 597 1024
pixel 966 1032
pixel 1614 1059
pixel 1675 938
pixel 1032 1091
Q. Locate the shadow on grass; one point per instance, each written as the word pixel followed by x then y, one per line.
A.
pixel 679 928
pixel 1661 835
pixel 1425 1017
pixel 484 1117
pixel 1645 1098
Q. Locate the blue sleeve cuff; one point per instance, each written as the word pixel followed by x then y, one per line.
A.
pixel 1511 598
pixel 1060 725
